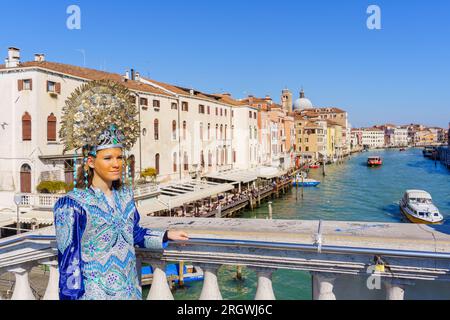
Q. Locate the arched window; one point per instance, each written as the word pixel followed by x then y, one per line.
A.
pixel 26 127
pixel 232 132
pixel 174 130
pixel 210 159
pixel 225 131
pixel 156 124
pixel 217 132
pixel 186 161
pixel 174 162
pixel 157 163
pixel 184 130
pixel 221 131
pixel 51 127
pixel 25 179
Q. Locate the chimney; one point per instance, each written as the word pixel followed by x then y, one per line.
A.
pixel 13 59
pixel 191 92
pixel 126 77
pixel 39 57
pixel 137 76
pixel 132 74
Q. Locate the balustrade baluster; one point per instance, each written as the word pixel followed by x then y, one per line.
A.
pixel 210 290
pixel 52 291
pixel 323 286
pixel 22 289
pixel 395 289
pixel 264 290
pixel 160 289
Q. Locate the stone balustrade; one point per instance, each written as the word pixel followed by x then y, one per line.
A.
pixel 392 261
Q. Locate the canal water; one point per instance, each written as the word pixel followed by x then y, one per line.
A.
pixel 350 192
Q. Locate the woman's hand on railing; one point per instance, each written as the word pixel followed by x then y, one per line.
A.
pixel 177 235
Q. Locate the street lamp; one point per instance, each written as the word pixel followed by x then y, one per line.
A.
pixel 17 201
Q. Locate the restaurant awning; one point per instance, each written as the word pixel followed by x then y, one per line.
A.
pixel 234 176
pixel 177 194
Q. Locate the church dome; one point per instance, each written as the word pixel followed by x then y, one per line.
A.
pixel 302 103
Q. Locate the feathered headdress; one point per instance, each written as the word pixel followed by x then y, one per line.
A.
pixel 99 115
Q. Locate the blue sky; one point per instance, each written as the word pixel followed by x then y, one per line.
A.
pixel 398 74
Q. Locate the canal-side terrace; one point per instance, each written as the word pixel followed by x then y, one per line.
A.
pixel 409 260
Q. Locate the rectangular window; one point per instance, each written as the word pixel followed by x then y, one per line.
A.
pixel 174 106
pixel 143 101
pixel 209 110
pixel 51 86
pixel 254 115
pixel 156 104
pixel 27 84
pixel 217 111
pixel 221 112
pixel 201 109
pixel 250 114
pixel 184 106
pixel 225 112
pixel 232 113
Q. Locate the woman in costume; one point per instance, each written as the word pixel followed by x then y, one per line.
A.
pixel 97 224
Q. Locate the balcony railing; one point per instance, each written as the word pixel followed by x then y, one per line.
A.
pixel 328 250
pixel 47 201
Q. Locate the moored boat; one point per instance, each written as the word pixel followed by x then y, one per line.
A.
pixel 306 183
pixel 374 161
pixel 190 273
pixel 315 165
pixel 428 151
pixel 418 207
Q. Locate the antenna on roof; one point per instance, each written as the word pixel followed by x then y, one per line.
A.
pixel 84 56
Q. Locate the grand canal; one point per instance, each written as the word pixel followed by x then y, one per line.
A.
pixel 350 191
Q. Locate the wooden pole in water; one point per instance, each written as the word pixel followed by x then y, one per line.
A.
pixel 270 210
pixel 296 188
pixel 239 272
pixel 181 274
pixel 303 184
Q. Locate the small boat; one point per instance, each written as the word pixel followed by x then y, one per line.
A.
pixel 418 207
pixel 428 151
pixel 374 161
pixel 314 166
pixel 402 149
pixel 190 273
pixel 305 183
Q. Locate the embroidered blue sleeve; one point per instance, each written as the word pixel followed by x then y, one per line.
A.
pixel 70 223
pixel 148 238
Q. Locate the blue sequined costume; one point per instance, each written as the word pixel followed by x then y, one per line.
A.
pixel 96 239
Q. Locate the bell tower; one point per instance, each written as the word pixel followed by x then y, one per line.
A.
pixel 286 100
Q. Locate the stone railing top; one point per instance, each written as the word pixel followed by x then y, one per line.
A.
pixel 345 247
pixel 394 236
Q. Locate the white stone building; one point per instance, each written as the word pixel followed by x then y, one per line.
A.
pixel 184 132
pixel 373 138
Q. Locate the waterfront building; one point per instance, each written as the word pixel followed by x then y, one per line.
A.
pixel 184 132
pixel 276 132
pixel 356 139
pixel 311 139
pixel 425 137
pixel 373 138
